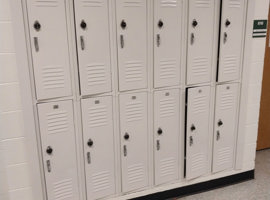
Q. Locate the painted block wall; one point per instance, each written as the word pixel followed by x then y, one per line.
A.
pixel 15 175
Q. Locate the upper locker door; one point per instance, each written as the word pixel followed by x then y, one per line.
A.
pixel 132 43
pixel 197 131
pixel 231 39
pixel 98 146
pixel 167 42
pixel 225 126
pixel 50 49
pixel 166 135
pixel 58 149
pixel 93 39
pixel 134 141
pixel 200 41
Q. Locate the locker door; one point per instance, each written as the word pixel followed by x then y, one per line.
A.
pixel 166 135
pixel 58 148
pixel 132 44
pixel 50 50
pixel 167 46
pixel 200 41
pixel 98 146
pixel 231 39
pixel 197 131
pixel 134 141
pixel 93 39
pixel 225 126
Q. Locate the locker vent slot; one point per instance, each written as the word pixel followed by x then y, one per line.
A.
pixel 230 64
pixel 203 3
pixel 235 3
pixel 133 71
pixel 200 66
pixel 224 156
pixel 198 162
pixel 63 189
pixel 96 74
pixel 227 101
pixel 47 3
pixel 53 77
pixel 200 104
pixel 101 181
pixel 168 69
pixel 92 3
pixel 133 3
pixel 97 116
pixel 168 3
pixel 167 167
pixel 167 107
pixel 57 122
pixel 135 173
pixel 134 111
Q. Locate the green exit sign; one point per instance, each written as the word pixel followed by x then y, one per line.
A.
pixel 259 28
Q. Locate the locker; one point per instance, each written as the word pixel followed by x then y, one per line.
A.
pixel 134 141
pixel 225 126
pixel 167 46
pixel 200 41
pixel 98 146
pixel 231 40
pixel 93 39
pixel 58 149
pixel 197 131
pixel 166 135
pixel 50 49
pixel 132 44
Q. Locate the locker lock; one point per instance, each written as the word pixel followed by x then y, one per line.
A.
pixel 83 25
pixel 37 26
pixel 192 128
pixel 194 23
pixel 227 23
pixel 160 23
pixel 126 136
pixel 220 123
pixel 160 131
pixel 49 150
pixel 90 143
pixel 123 24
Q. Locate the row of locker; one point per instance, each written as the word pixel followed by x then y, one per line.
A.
pixel 59 150
pixel 50 36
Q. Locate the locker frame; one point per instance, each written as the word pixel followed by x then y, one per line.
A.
pixel 22 45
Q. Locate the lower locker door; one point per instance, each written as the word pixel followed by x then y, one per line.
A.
pixel 134 141
pixel 225 126
pixel 197 131
pixel 98 138
pixel 59 151
pixel 166 135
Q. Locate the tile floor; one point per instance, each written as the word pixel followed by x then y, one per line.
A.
pixel 258 189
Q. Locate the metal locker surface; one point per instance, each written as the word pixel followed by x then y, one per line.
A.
pixel 166 135
pixel 132 44
pixel 93 42
pixel 50 49
pixel 58 149
pixel 225 126
pixel 197 131
pixel 231 39
pixel 99 154
pixel 167 42
pixel 200 41
pixel 134 141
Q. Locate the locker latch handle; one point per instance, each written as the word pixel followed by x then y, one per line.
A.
pixel 190 141
pixel 125 150
pixel 36 44
pixel 225 37
pixel 82 42
pixel 158 145
pixel 122 41
pixel 192 39
pixel 88 157
pixel 158 40
pixel 218 135
pixel 49 168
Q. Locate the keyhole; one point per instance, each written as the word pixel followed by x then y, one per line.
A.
pixel 37 26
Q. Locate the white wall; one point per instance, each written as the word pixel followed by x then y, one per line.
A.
pixel 14 166
pixel 15 182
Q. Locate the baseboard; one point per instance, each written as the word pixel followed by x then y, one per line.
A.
pixel 200 187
